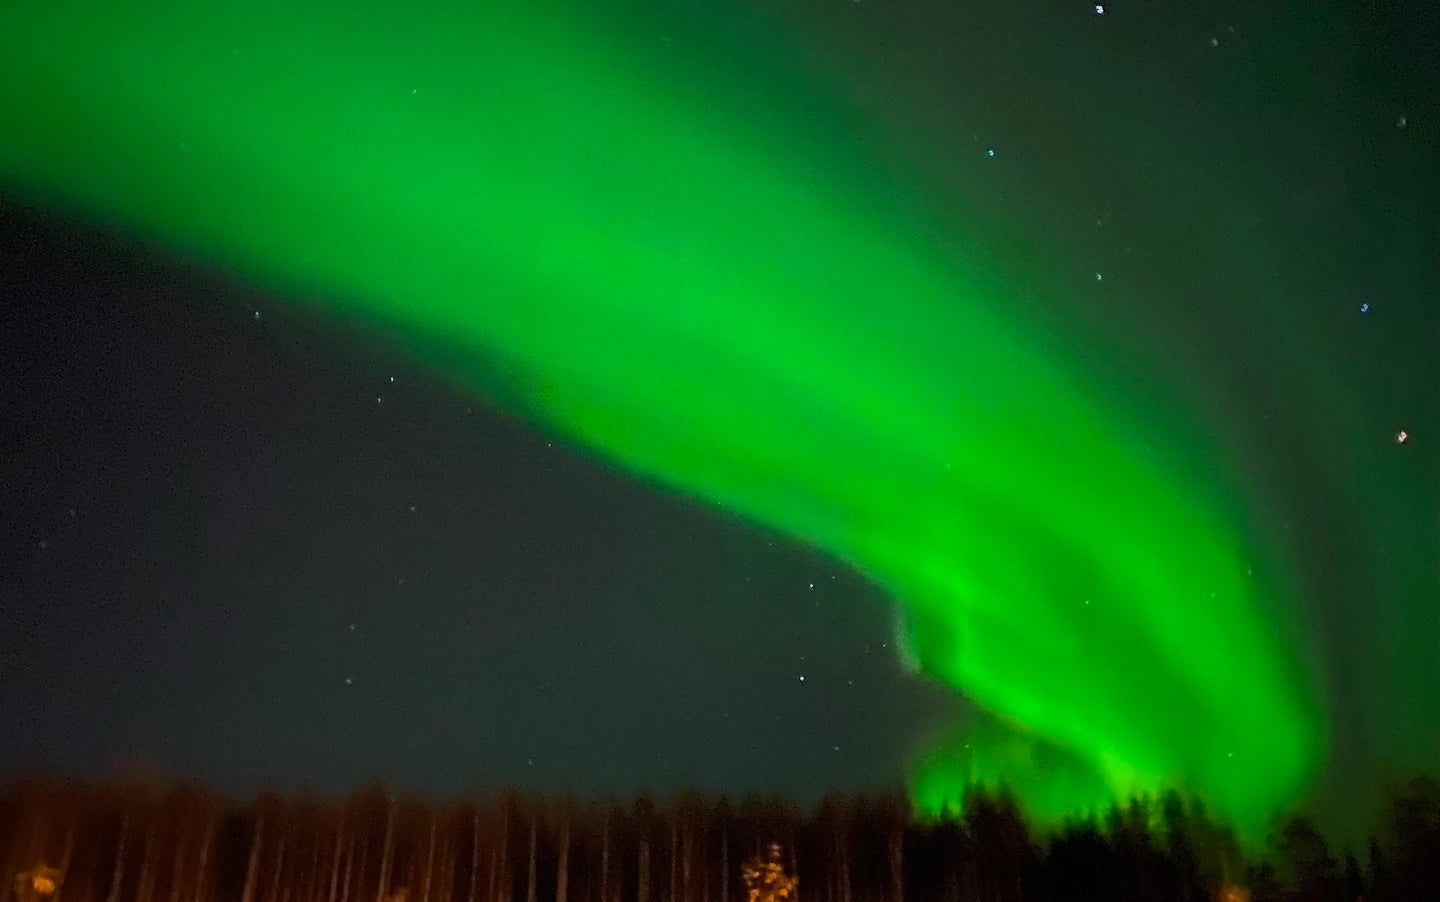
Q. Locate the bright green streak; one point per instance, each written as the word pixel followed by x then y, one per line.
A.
pixel 677 290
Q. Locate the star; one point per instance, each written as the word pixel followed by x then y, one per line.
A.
pixel 802 677
pixel 1401 438
pixel 1364 308
pixel 1099 9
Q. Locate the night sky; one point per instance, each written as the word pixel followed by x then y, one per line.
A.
pixel 286 505
pixel 231 561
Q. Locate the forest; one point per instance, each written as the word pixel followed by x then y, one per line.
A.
pixel 148 841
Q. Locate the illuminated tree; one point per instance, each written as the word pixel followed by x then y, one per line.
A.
pixel 766 880
pixel 38 884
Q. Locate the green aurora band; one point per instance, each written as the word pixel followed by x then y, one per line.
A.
pixel 665 283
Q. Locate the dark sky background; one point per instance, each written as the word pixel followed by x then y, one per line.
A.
pixel 244 553
pixel 257 547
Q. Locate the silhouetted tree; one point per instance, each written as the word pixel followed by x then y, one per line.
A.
pixel 1306 863
pixel 146 841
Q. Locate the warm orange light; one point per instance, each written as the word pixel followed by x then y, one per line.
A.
pixel 43 884
pixel 1232 893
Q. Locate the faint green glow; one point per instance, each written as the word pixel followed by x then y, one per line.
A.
pixel 677 290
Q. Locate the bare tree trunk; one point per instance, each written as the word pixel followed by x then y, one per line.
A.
pixel 147 862
pixel 335 859
pixel 530 878
pixel 592 879
pixel 644 865
pixel 297 884
pixel 83 884
pixel 725 866
pixel 687 840
pixel 117 875
pixel 252 870
pixel 349 862
pixel 562 866
pixel 475 854
pixel 507 883
pixel 202 863
pixel 177 868
pixel 388 849
pixel 359 888
pixel 897 865
pixel 448 854
pixel 605 859
pixel 314 879
pixel 831 882
pixel 674 858
pixel 68 851
pixel 38 836
pixel 794 860
pixel 704 861
pixel 493 872
pixel 279 858
pixel 429 871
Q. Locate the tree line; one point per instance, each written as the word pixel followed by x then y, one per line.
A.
pixel 131 842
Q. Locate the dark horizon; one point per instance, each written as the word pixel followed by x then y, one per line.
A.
pixel 138 840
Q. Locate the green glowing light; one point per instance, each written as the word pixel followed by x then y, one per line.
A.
pixel 671 285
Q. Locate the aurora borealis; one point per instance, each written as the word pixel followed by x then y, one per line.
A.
pixel 719 271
